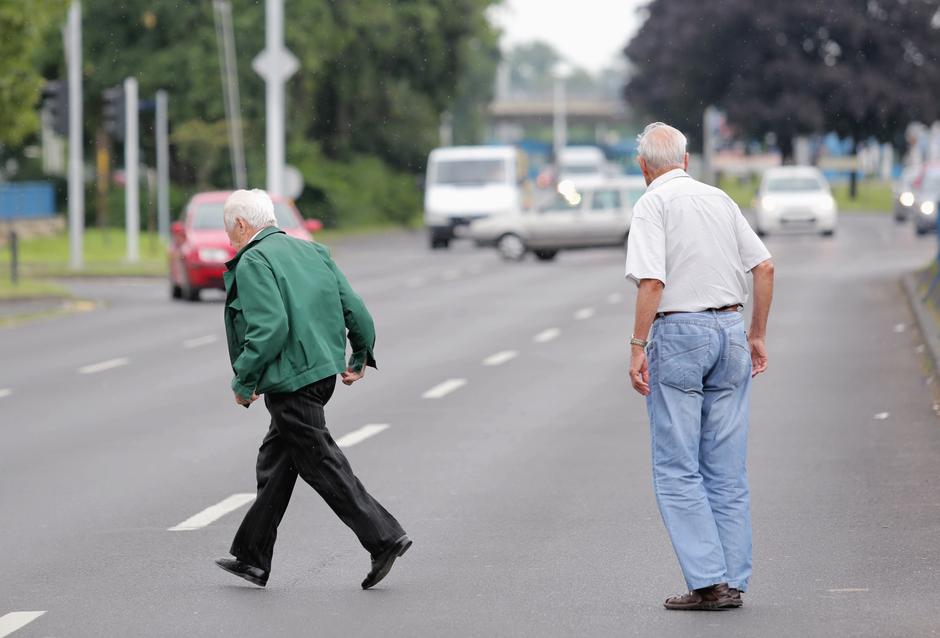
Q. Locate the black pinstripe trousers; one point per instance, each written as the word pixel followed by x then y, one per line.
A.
pixel 298 443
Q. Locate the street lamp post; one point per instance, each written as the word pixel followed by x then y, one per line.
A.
pixel 559 113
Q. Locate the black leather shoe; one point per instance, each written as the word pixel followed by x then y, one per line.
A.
pixel 254 575
pixel 382 562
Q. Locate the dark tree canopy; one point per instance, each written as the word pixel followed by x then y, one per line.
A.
pixel 861 69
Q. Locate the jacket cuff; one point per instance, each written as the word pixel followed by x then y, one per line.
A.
pixel 242 390
pixel 362 358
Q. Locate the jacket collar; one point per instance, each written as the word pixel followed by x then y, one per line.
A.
pixel 666 177
pixel 264 232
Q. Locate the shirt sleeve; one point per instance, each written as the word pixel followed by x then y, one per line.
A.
pixel 751 249
pixel 360 328
pixel 646 244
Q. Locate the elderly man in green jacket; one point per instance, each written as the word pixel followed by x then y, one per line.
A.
pixel 287 315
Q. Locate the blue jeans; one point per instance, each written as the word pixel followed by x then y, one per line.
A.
pixel 700 379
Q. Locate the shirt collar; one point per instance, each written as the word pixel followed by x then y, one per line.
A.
pixel 666 177
pixel 258 236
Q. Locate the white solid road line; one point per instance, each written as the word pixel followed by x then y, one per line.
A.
pixel 360 435
pixel 500 358
pixel 584 313
pixel 547 335
pixel 16 620
pixel 614 297
pixel 443 389
pixel 200 341
pixel 104 365
pixel 5 392
pixel 213 513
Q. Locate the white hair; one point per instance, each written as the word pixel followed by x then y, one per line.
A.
pixel 662 146
pixel 254 206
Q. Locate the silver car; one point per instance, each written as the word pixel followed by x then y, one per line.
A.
pixel 926 197
pixel 578 216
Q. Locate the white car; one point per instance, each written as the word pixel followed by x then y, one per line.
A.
pixel 795 197
pixel 579 216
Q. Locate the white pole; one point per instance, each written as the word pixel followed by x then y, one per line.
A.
pixel 228 67
pixel 163 167
pixel 560 121
pixel 131 169
pixel 76 188
pixel 275 64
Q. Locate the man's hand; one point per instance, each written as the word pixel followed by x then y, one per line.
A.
pixel 351 376
pixel 246 402
pixel 639 370
pixel 758 356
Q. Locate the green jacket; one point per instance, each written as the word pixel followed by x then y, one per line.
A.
pixel 287 312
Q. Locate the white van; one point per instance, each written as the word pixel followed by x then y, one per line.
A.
pixel 465 183
pixel 582 164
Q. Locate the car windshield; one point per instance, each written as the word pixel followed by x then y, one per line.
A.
pixel 792 184
pixel 570 200
pixel 208 216
pixel 581 169
pixel 471 172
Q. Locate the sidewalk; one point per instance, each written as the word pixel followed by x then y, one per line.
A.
pixel 926 307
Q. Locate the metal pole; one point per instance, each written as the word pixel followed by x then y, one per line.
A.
pixel 163 167
pixel 230 93
pixel 14 257
pixel 131 171
pixel 76 190
pixel 560 122
pixel 275 64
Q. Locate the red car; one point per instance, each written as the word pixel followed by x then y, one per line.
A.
pixel 200 247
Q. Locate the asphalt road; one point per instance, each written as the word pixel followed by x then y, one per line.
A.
pixel 524 483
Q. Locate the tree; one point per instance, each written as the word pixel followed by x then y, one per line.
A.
pixel 24 26
pixel 861 69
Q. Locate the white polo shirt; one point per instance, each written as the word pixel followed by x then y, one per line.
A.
pixel 694 239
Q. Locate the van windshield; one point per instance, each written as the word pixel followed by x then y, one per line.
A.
pixel 581 169
pixel 471 172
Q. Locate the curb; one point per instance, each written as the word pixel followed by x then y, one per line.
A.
pixel 929 327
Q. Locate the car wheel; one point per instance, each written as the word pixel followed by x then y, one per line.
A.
pixel 437 243
pixel 511 247
pixel 545 255
pixel 626 242
pixel 175 291
pixel 829 232
pixel 920 230
pixel 188 292
pixel 761 232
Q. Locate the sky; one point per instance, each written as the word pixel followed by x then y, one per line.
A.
pixel 589 33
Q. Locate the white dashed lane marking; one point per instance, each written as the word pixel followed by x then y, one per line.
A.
pixel 200 341
pixel 614 297
pixel 110 364
pixel 213 513
pixel 441 390
pixel 547 335
pixel 500 358
pixel 584 313
pixel 5 392
pixel 360 435
pixel 17 620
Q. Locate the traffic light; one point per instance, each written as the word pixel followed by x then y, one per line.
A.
pixel 114 111
pixel 55 98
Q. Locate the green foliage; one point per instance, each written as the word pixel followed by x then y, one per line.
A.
pixel 359 191
pixel 24 25
pixel 857 68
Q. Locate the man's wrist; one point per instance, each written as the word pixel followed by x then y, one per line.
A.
pixel 637 342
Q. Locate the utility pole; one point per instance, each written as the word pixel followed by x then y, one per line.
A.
pixel 230 93
pixel 560 117
pixel 163 167
pixel 131 171
pixel 76 189
pixel 275 64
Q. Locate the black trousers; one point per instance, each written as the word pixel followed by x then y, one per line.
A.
pixel 299 443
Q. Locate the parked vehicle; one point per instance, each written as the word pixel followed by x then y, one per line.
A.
pixel 200 247
pixel 926 197
pixel 585 164
pixel 465 183
pixel 795 197
pixel 904 192
pixel 579 216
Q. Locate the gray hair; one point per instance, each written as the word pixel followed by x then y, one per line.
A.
pixel 662 146
pixel 254 206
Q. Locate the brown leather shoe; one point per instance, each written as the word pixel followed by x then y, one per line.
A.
pixel 711 598
pixel 736 597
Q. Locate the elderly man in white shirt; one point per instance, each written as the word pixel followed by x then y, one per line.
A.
pixel 689 252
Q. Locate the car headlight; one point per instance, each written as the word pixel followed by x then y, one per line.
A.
pixel 928 208
pixel 768 204
pixel 906 199
pixel 213 255
pixel 828 205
